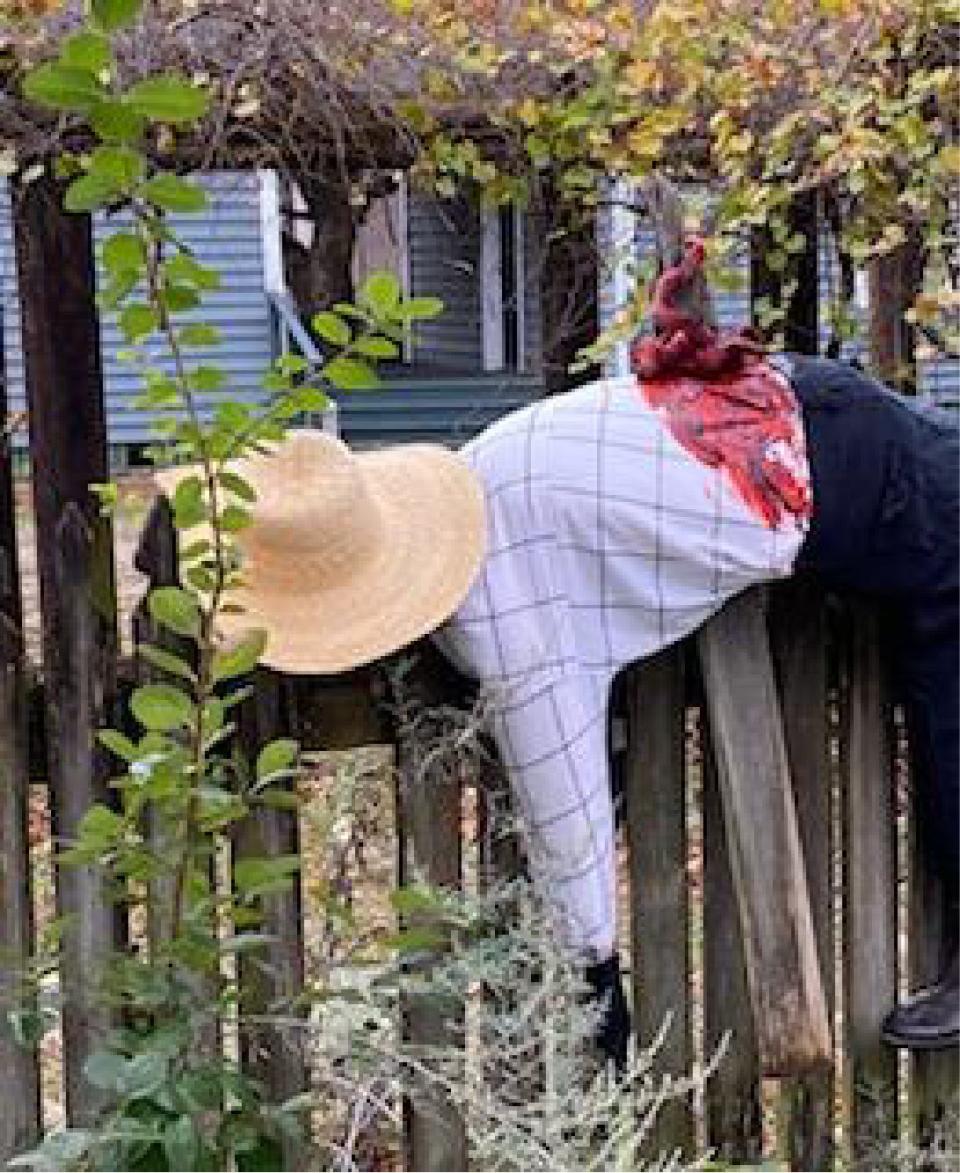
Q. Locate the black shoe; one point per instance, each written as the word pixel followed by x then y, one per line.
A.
pixel 928 1020
pixel 613 1029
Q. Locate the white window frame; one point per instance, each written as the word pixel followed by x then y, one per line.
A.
pixel 492 288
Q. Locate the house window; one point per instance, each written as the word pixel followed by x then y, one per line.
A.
pixel 502 279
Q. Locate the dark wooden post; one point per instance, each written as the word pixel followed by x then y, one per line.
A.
pixel 157 558
pixel 935 1083
pixel 654 792
pixel 870 945
pixel 895 280
pixel 801 327
pixel 276 1057
pixel 798 630
pixel 68 445
pixel 428 831
pixel 19 1070
pixel 734 1115
pixel 786 988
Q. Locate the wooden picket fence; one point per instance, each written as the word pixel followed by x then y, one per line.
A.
pixel 869 905
pixel 876 911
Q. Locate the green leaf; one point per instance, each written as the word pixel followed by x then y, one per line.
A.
pixel 106 1070
pixel 207 378
pixel 234 483
pixel 180 297
pixel 331 328
pixel 346 310
pixel 241 658
pixel 257 877
pixel 118 744
pixel 123 252
pixel 29 1026
pixel 99 828
pixel 292 364
pixel 183 267
pixel 419 308
pixel 63 87
pixel 144 1074
pixel 173 194
pixel 417 940
pixel 120 165
pixel 200 334
pixel 114 121
pixel 114 14
pixel 181 1144
pixel 168 98
pixel 234 518
pixel 276 757
pixel 350 374
pixel 65 1149
pixel 196 550
pixel 89 192
pixel 277 799
pixel 376 347
pixel 138 321
pixel 161 707
pixel 175 609
pixel 166 662
pixel 307 398
pixel 189 507
pixel 417 899
pixel 86 50
pixel 381 291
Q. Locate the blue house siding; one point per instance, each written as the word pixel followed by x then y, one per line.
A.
pixel 228 237
pixel 444 250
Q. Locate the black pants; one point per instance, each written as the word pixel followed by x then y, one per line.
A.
pixel 886 523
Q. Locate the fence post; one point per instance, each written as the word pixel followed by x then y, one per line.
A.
pixel 429 844
pixel 156 557
pixel 786 988
pixel 19 1070
pixel 654 793
pixel 68 446
pixel 798 633
pixel 732 1097
pixel 870 942
pixel 275 1056
pixel 935 1075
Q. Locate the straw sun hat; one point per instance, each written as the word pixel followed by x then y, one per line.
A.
pixel 350 556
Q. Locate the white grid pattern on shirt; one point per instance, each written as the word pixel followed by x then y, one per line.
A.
pixel 606 542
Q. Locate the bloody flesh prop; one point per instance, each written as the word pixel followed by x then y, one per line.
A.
pixel 722 403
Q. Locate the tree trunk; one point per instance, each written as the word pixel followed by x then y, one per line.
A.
pixel 320 275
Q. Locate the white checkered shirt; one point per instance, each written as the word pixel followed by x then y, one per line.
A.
pixel 607 541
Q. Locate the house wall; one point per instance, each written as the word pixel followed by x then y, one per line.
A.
pixel 229 237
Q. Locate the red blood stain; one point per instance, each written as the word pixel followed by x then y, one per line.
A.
pixel 746 423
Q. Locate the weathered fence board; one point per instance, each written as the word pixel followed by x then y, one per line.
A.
pixel 656 826
pixel 733 1109
pixel 276 1056
pixel 935 1090
pixel 870 929
pixel 798 627
pixel 19 1070
pixel 783 972
pixel 75 566
pixel 156 557
pixel 429 843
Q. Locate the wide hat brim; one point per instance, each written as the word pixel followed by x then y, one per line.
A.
pixel 431 545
